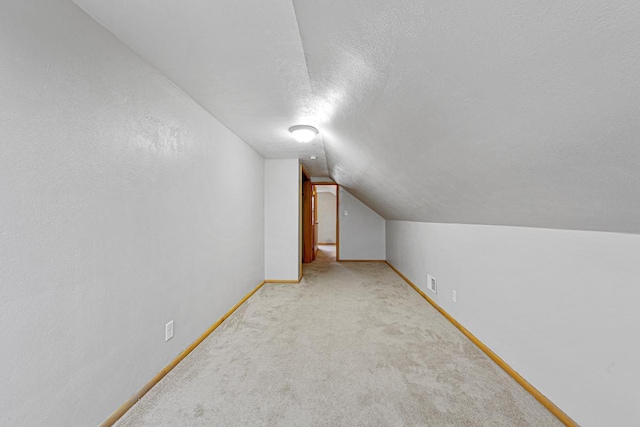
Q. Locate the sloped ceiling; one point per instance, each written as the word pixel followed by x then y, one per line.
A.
pixel 509 112
pixel 242 61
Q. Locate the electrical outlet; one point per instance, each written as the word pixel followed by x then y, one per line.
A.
pixel 454 296
pixel 346 213
pixel 168 331
pixel 432 284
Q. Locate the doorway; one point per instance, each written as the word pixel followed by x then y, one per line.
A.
pixel 324 218
pixel 309 219
pixel 319 219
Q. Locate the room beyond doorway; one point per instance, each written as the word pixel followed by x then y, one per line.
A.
pixel 327 252
pixel 327 199
pixel 319 213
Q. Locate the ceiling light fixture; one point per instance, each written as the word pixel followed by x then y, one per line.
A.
pixel 303 133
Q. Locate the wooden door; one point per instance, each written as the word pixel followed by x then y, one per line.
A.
pixel 307 221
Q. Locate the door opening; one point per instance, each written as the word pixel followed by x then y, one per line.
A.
pixel 319 220
pixel 308 220
pixel 326 211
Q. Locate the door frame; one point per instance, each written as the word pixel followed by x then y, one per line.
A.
pixel 313 184
pixel 305 176
pixel 307 221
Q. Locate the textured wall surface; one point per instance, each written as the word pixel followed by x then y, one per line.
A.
pixel 326 217
pixel 282 219
pixel 561 307
pixel 493 112
pixel 115 187
pixel 505 112
pixel 362 231
pixel 123 205
pixel 242 60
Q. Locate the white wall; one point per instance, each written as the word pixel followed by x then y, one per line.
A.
pixel 282 226
pixel 560 307
pixel 123 205
pixel 326 217
pixel 321 179
pixel 362 231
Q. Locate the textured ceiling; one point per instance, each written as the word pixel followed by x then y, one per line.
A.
pixel 241 60
pixel 492 112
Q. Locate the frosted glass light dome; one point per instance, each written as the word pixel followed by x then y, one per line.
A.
pixel 303 133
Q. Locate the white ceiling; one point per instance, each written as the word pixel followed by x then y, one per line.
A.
pixel 503 112
pixel 241 60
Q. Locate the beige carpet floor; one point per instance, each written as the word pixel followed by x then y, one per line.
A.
pixel 351 345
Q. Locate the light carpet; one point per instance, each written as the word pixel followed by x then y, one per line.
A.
pixel 351 345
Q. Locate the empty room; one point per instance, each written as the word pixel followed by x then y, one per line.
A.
pixel 319 213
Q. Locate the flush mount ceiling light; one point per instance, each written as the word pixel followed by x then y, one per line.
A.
pixel 303 133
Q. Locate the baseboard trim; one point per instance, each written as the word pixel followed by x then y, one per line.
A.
pixel 330 244
pixel 283 281
pixel 118 413
pixel 362 260
pixel 551 407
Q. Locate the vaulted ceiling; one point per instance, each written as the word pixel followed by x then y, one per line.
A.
pixel 491 112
